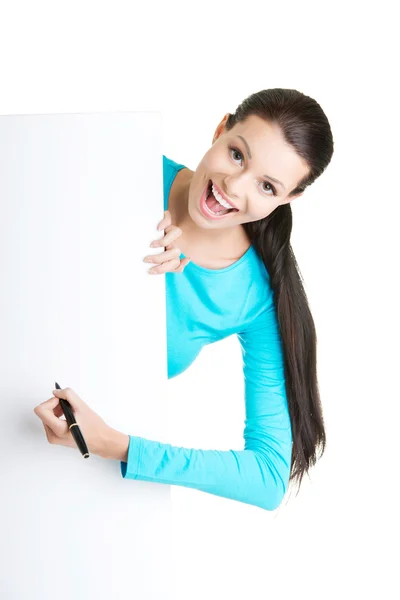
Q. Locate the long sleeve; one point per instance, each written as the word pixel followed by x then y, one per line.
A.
pixel 258 474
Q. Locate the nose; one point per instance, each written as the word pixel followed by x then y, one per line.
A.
pixel 235 188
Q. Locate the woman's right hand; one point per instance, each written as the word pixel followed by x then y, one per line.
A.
pixel 167 260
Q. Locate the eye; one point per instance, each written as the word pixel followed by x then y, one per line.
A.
pixel 233 149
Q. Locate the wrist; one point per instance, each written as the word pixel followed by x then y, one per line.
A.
pixel 117 445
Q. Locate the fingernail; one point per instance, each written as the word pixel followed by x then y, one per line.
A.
pixel 154 245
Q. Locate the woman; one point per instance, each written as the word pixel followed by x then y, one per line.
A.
pixel 243 279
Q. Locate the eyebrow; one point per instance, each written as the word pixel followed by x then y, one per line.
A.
pixel 249 155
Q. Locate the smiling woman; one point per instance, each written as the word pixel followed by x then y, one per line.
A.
pixel 259 297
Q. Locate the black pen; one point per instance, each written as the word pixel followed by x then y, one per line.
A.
pixel 73 426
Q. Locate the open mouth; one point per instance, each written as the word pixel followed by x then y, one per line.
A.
pixel 214 205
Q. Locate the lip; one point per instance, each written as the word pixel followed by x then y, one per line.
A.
pixel 223 195
pixel 205 211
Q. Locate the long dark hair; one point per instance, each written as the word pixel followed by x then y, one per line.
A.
pixel 305 127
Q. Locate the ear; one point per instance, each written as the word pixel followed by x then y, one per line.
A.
pixel 220 128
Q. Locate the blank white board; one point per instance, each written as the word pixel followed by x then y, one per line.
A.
pixel 80 198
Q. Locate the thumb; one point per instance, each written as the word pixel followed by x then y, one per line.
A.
pixel 48 404
pixel 69 395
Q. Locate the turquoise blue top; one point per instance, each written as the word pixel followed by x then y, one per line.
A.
pixel 204 306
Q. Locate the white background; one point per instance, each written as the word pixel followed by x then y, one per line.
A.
pixel 194 63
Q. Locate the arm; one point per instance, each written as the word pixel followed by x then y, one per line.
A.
pixel 259 473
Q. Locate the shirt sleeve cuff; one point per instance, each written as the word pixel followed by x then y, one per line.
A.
pixel 130 469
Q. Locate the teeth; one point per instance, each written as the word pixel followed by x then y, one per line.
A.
pixel 220 198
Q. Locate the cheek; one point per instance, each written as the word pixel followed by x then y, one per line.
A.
pixel 197 185
pixel 264 212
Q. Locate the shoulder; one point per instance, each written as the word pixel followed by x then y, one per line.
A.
pixel 169 164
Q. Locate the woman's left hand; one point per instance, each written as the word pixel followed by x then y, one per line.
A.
pixel 98 435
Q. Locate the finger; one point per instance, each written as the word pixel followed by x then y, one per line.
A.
pixel 45 413
pixel 49 433
pixel 167 255
pixel 183 264
pixel 52 438
pixel 169 237
pixel 166 221
pixel 58 411
pixel 55 427
pixel 170 265
pixel 72 397
pixel 46 406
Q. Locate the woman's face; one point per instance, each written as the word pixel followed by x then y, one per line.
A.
pixel 244 164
